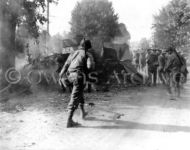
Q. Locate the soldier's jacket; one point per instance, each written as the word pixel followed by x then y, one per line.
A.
pixel 78 61
pixel 136 58
pixel 173 63
pixel 184 65
pixel 161 61
pixel 152 61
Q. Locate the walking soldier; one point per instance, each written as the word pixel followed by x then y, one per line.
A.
pixel 161 63
pixel 173 69
pixel 152 63
pixel 76 67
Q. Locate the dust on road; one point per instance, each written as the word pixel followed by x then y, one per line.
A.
pixel 135 118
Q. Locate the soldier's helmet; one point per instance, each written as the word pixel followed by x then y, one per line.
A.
pixel 86 44
pixel 154 50
pixel 170 49
pixel 149 50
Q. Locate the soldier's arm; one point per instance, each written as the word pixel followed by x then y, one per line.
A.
pixel 184 60
pixel 169 63
pixel 66 66
pixel 90 61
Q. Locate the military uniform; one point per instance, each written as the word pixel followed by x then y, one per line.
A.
pixel 173 69
pixel 137 62
pixel 161 63
pixel 184 70
pixel 76 67
pixel 152 62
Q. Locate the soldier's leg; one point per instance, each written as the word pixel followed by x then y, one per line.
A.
pixel 149 76
pixel 80 85
pixel 161 75
pixel 164 77
pixel 177 87
pixel 155 76
pixel 83 112
pixel 73 104
pixel 169 84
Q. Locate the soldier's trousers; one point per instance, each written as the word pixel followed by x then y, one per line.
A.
pixel 161 75
pixel 77 97
pixel 174 83
pixel 152 72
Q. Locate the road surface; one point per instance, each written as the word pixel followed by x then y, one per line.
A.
pixel 148 121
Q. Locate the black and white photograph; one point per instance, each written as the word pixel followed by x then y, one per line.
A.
pixel 94 74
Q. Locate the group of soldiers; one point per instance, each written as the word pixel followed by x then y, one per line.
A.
pixel 170 66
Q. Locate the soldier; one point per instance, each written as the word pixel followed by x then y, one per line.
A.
pixel 76 66
pixel 142 61
pixel 184 70
pixel 152 62
pixel 148 52
pixel 137 61
pixel 173 69
pixel 161 63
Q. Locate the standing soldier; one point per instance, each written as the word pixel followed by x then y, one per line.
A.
pixel 148 53
pixel 184 70
pixel 137 61
pixel 76 67
pixel 161 63
pixel 173 68
pixel 142 61
pixel 152 63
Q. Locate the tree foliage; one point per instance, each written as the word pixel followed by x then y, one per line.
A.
pixel 124 35
pixel 172 25
pixel 18 17
pixel 15 13
pixel 144 44
pixel 95 18
pixel 24 12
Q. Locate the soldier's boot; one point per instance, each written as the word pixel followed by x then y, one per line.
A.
pixel 84 113
pixel 70 122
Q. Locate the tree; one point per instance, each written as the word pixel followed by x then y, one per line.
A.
pixel 95 18
pixel 124 37
pixel 15 13
pixel 172 25
pixel 144 44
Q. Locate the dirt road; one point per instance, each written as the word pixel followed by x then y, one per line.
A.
pixel 148 121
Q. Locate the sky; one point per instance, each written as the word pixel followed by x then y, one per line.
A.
pixel 137 15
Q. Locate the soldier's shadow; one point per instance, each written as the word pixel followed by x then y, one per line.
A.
pixel 120 124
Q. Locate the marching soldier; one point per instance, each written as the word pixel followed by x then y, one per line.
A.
pixel 152 63
pixel 148 53
pixel 137 61
pixel 184 70
pixel 161 63
pixel 76 67
pixel 173 69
